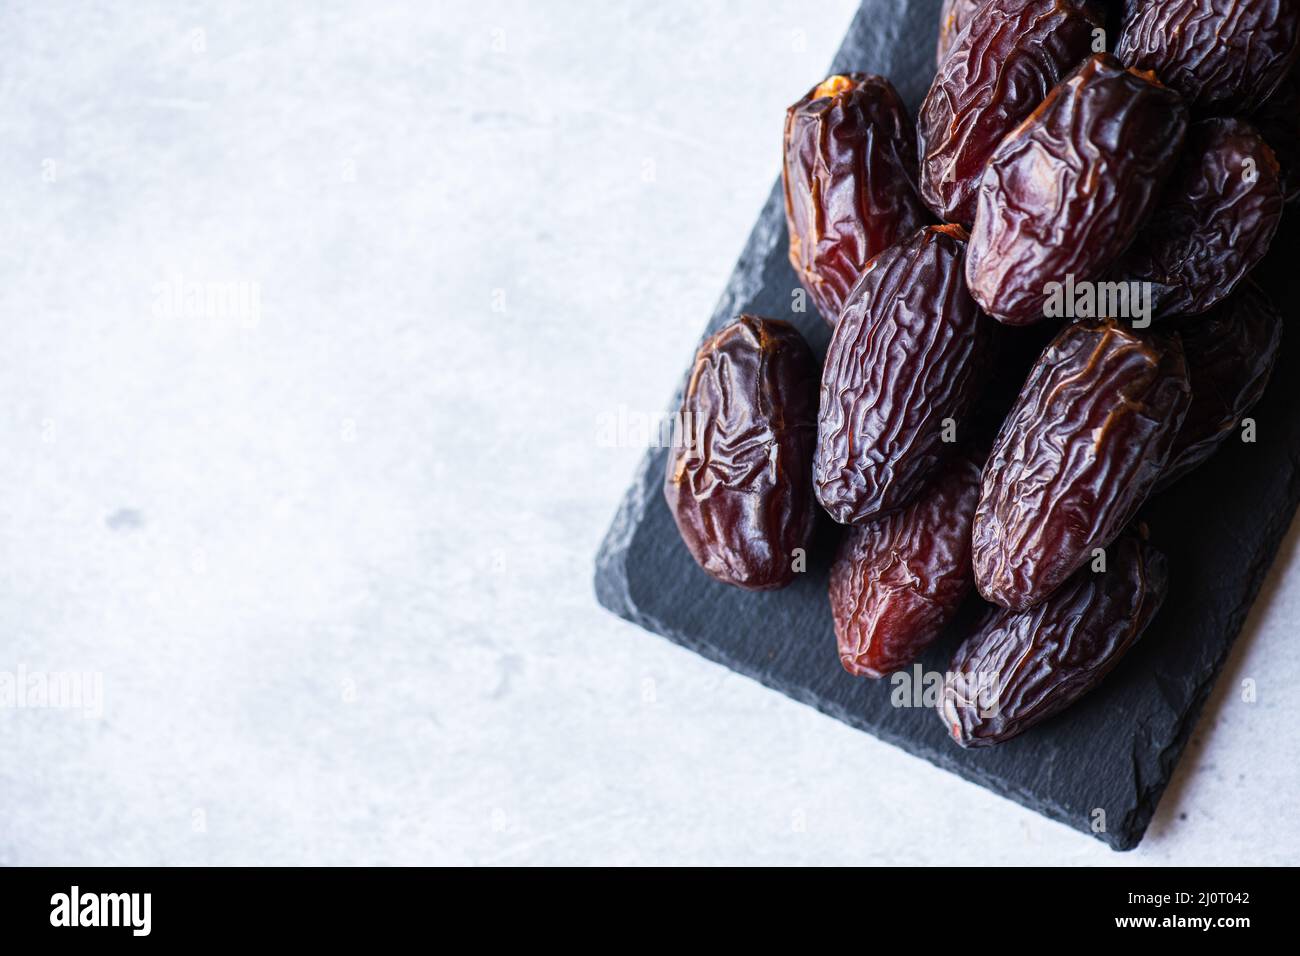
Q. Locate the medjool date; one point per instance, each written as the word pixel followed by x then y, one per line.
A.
pixel 904 366
pixel 850 183
pixel 1021 667
pixel 1223 56
pixel 1001 68
pixel 1088 438
pixel 1214 223
pixel 1230 357
pixel 897 582
pixel 952 20
pixel 738 486
pixel 1065 192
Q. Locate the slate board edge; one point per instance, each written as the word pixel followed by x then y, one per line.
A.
pixel 1258 574
pixel 611 585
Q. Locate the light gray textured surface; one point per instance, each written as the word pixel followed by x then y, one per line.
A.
pixel 333 559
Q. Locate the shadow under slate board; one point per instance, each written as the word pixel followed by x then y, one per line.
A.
pixel 1116 749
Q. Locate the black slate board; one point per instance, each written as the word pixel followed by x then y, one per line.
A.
pixel 1115 750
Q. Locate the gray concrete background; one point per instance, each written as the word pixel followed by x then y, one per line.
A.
pixel 330 553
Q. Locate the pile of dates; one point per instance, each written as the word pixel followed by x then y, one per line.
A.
pixel 1076 209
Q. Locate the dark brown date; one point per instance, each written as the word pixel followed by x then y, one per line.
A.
pixel 1230 357
pixel 738 484
pixel 952 20
pixel 897 582
pixel 1215 221
pixel 1065 192
pixel 997 73
pixel 903 369
pixel 1279 121
pixel 1021 667
pixel 1079 453
pixel 850 183
pixel 1223 56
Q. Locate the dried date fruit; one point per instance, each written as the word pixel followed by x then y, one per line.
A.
pixel 1279 122
pixel 1079 453
pixel 1021 667
pixel 1121 12
pixel 850 183
pixel 1223 56
pixel 1065 192
pixel 739 485
pixel 897 582
pixel 1230 357
pixel 997 73
pixel 1215 220
pixel 904 367
pixel 952 20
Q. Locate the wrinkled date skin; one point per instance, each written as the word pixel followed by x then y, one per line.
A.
pixel 897 582
pixel 850 183
pixel 996 74
pixel 1279 121
pixel 1065 192
pixel 1214 223
pixel 911 351
pixel 1230 357
pixel 1223 56
pixel 952 20
pixel 739 486
pixel 1021 667
pixel 1079 453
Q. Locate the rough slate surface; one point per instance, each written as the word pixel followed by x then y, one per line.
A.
pixel 1114 751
